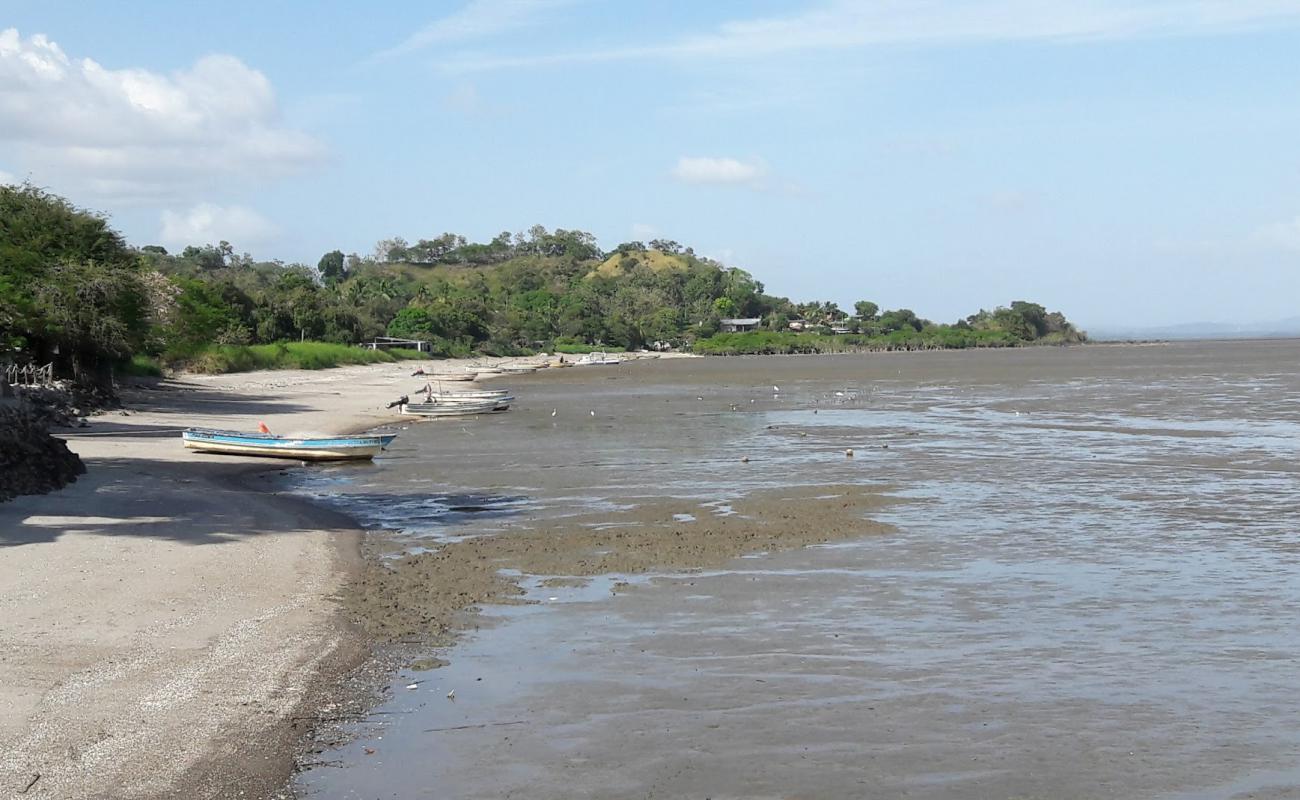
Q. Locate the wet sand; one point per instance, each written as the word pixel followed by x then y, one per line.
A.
pixel 423 595
pixel 1087 593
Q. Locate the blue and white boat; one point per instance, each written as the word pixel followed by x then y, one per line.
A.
pixel 335 448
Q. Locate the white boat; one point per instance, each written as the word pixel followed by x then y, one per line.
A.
pixel 483 369
pixel 502 400
pixel 455 376
pixel 518 369
pixel 310 448
pixel 470 394
pixel 443 408
pixel 598 359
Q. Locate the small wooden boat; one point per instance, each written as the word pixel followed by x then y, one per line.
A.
pixel 502 400
pixel 598 359
pixel 455 376
pixel 455 395
pixel 440 407
pixel 312 448
pixel 518 369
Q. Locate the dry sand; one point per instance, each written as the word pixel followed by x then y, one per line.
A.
pixel 162 619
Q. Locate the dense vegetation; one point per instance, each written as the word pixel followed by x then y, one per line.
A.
pixel 72 291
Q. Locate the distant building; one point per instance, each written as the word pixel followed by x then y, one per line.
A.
pixel 739 325
pixel 385 342
pixel 798 324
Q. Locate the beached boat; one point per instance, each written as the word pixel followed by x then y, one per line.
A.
pixel 598 359
pixel 518 369
pixel 455 376
pixel 441 407
pixel 502 400
pixel 471 394
pixel 310 448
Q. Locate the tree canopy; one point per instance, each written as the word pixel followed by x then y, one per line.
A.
pixel 73 290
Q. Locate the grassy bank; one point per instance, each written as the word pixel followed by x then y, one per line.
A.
pixel 947 338
pixel 216 359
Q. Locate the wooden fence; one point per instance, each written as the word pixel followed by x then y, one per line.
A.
pixel 29 375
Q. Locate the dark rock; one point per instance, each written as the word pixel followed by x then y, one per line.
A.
pixel 31 460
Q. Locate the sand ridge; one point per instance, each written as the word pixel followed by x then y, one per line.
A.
pixel 423 596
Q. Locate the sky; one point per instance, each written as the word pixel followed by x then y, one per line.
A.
pixel 1124 162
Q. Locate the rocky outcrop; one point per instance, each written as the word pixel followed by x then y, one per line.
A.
pixel 31 460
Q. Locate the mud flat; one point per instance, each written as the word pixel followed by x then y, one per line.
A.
pixel 424 595
pixel 1088 589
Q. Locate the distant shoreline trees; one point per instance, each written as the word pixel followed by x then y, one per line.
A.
pixel 72 291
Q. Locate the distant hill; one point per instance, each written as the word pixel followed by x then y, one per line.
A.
pixel 1278 329
pixel 656 260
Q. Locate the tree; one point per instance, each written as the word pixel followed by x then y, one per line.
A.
pixel 866 310
pixel 391 250
pixel 900 319
pixel 206 257
pixel 665 246
pixel 332 268
pixel 71 291
pixel 1034 315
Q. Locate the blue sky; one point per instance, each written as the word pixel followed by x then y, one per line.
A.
pixel 1125 162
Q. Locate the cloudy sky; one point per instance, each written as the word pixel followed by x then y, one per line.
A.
pixel 1126 161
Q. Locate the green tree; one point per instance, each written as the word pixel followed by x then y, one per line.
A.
pixel 71 291
pixel 331 267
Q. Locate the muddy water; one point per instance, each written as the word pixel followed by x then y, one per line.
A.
pixel 1089 591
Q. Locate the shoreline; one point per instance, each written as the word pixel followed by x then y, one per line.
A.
pixel 184 585
pixel 136 450
pixel 118 637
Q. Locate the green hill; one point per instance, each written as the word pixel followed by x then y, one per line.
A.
pixel 74 292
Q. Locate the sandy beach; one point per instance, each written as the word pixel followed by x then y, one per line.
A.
pixel 172 623
pixel 164 618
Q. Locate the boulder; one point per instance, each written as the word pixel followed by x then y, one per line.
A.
pixel 31 460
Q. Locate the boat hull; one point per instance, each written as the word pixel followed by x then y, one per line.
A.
pixel 343 448
pixel 454 409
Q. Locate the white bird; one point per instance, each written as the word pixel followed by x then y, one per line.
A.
pixel 776 388
pixel 593 413
pixel 554 411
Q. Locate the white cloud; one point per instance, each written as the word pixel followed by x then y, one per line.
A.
pixel 841 24
pixel 477 19
pixel 206 223
pixel 136 134
pixel 1282 235
pixel 729 171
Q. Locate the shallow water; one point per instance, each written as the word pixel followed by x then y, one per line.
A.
pixel 1090 593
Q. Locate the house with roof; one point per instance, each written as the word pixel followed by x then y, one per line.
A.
pixel 739 325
